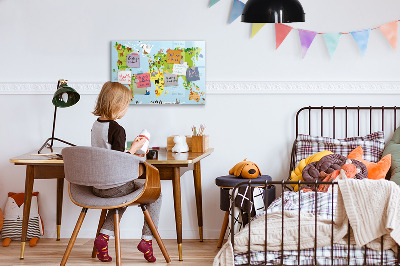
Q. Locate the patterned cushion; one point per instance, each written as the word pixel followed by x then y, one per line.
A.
pixel 372 144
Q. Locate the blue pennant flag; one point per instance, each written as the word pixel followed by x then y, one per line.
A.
pixel 361 38
pixel 332 41
pixel 213 2
pixel 237 9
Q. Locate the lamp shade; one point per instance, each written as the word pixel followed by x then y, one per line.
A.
pixel 65 96
pixel 273 11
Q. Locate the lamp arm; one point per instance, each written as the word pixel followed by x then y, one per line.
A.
pixel 55 115
pixel 54 126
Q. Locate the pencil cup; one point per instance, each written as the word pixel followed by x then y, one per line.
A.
pixel 200 143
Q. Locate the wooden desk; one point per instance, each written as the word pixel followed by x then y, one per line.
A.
pixel 168 164
pixel 40 167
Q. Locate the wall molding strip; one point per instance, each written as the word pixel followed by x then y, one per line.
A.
pixel 231 87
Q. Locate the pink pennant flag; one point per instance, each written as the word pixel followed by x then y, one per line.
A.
pixel 306 39
pixel 389 30
pixel 281 31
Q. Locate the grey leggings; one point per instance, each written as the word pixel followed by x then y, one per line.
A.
pixel 154 208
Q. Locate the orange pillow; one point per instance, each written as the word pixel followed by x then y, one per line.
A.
pixel 375 170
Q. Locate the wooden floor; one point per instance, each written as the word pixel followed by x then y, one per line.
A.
pixel 50 252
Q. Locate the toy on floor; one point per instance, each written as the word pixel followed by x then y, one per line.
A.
pixel 13 215
pixel 245 169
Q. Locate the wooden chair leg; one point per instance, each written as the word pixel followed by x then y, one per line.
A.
pixel 101 222
pixel 223 229
pixel 117 238
pixel 73 237
pixel 154 230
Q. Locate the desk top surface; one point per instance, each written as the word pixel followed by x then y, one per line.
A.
pixel 164 157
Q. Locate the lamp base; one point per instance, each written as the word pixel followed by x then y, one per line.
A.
pixel 50 146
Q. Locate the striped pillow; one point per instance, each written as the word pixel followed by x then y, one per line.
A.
pixel 372 145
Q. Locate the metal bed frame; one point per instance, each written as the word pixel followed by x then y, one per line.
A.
pixel 283 184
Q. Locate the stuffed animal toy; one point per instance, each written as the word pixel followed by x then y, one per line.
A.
pixel 245 169
pixel 180 144
pixel 13 215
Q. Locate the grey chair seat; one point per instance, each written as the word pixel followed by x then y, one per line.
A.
pixel 85 167
pixel 83 196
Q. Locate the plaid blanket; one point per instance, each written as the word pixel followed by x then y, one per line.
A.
pixel 323 205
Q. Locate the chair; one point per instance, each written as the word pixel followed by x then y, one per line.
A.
pixel 85 167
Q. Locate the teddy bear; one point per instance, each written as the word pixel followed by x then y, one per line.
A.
pixel 180 144
pixel 245 169
pixel 13 215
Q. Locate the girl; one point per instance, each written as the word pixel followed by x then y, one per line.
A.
pixel 112 104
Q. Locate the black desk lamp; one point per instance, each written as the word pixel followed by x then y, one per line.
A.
pixel 64 96
pixel 273 11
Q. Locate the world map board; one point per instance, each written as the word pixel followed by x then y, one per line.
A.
pixel 160 72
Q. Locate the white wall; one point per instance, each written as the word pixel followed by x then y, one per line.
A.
pixel 42 41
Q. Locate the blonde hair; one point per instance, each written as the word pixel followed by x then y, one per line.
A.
pixel 112 99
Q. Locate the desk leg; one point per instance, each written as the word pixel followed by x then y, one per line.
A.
pixel 60 190
pixel 199 204
pixel 27 206
pixel 176 182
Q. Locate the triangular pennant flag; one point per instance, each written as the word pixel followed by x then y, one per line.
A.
pixel 213 2
pixel 237 9
pixel 390 32
pixel 256 28
pixel 306 39
pixel 332 41
pixel 281 31
pixel 361 37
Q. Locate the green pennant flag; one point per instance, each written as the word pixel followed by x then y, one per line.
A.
pixel 213 2
pixel 332 41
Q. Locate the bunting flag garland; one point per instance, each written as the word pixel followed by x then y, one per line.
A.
pixel 281 31
pixel 306 39
pixel 389 30
pixel 361 38
pixel 332 41
pixel 237 9
pixel 213 2
pixel 256 28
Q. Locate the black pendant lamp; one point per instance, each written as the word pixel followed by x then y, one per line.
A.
pixel 273 11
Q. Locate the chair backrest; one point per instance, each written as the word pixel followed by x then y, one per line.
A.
pixel 92 166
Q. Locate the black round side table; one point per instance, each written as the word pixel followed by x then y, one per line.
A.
pixel 228 182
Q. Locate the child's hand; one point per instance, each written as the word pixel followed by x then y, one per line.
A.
pixel 137 144
pixel 143 155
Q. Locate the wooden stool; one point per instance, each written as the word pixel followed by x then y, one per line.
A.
pixel 226 183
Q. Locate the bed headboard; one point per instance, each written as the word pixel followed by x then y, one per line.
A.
pixel 344 121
